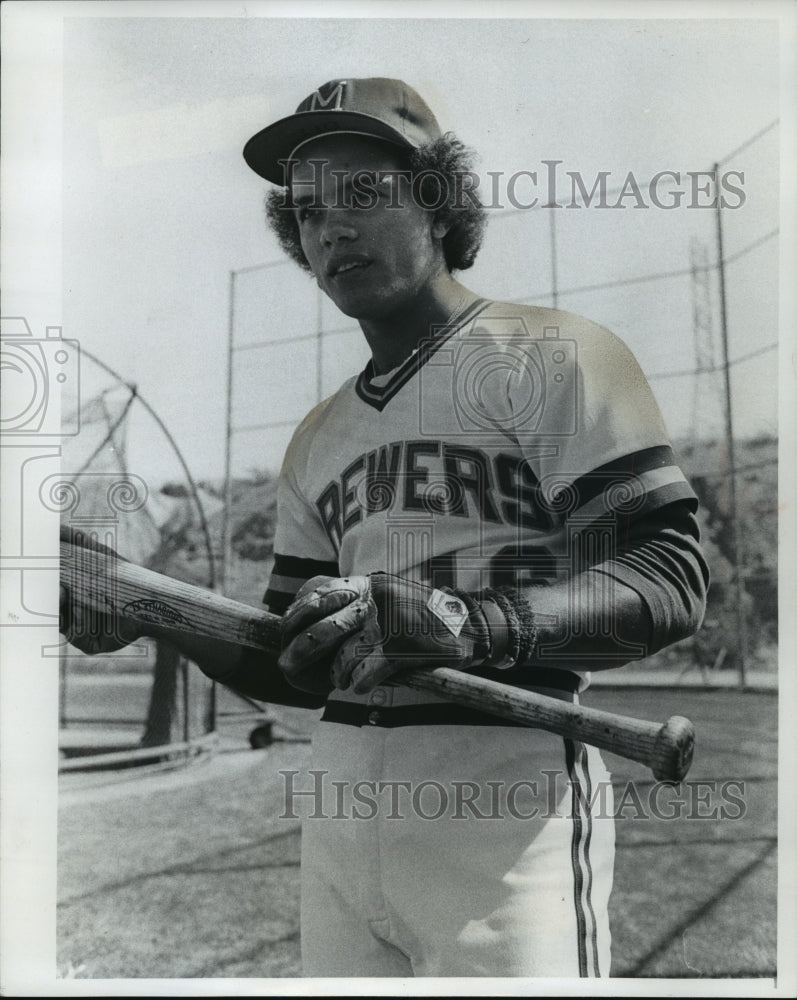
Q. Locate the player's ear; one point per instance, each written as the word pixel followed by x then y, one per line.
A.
pixel 440 226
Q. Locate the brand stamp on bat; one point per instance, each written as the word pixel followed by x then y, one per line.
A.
pixel 154 611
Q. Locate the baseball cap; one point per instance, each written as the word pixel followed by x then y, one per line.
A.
pixel 376 106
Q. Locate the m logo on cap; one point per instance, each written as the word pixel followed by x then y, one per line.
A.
pixel 332 102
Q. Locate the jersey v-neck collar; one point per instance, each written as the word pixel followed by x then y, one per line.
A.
pixel 378 396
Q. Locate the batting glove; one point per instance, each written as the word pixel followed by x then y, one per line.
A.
pixel 362 629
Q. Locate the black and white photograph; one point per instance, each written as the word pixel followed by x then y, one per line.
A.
pixel 397 499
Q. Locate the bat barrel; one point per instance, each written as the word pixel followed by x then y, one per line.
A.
pixel 673 749
pixel 122 590
pixel 666 749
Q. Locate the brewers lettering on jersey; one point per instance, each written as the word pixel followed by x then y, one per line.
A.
pixel 496 491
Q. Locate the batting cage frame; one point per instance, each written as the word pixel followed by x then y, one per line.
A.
pixel 146 705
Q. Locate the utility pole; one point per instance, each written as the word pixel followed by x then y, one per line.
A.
pixel 226 511
pixel 703 411
pixel 733 514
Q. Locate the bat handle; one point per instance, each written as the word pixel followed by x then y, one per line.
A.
pixel 671 755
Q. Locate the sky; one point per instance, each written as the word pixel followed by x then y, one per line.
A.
pixel 158 206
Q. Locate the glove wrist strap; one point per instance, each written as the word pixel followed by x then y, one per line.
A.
pixel 499 656
pixel 518 626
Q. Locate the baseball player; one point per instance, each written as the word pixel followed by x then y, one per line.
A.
pixel 495 491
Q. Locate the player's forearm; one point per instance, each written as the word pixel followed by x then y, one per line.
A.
pixel 251 672
pixel 257 675
pixel 590 622
pixel 651 594
pixel 214 657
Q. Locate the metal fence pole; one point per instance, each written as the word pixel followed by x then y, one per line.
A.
pixel 738 551
pixel 225 515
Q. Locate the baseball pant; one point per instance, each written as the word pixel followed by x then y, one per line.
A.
pixel 452 850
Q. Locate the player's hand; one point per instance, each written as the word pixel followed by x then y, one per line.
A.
pixel 88 630
pixel 326 611
pixel 363 629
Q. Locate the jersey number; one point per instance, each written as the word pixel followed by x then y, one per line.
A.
pixel 513 566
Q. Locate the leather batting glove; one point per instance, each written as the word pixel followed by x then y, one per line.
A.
pixel 365 628
pixel 326 611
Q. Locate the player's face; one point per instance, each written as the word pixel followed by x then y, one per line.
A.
pixel 370 246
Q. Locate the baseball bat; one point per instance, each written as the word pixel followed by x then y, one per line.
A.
pixel 116 587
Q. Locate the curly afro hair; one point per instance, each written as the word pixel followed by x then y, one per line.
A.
pixel 443 179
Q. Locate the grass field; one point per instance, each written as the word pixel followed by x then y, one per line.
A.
pixel 192 873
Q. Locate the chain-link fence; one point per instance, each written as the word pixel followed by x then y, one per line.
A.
pixel 688 281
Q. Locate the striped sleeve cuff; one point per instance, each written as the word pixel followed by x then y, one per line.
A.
pixel 288 575
pixel 634 484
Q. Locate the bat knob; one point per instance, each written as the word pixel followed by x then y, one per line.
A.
pixel 673 749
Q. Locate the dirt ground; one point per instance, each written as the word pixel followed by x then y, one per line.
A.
pixel 193 874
